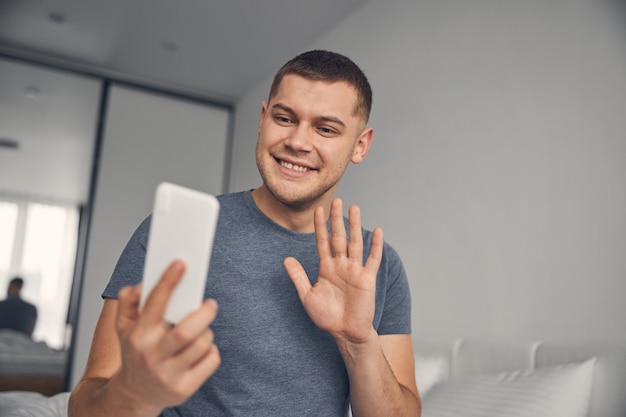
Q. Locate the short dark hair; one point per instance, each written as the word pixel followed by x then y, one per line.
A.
pixel 319 65
pixel 17 281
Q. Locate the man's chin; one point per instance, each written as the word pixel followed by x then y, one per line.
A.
pixel 295 196
pixel 296 201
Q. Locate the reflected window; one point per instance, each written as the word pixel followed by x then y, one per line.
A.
pixel 38 242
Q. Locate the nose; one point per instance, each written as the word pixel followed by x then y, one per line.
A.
pixel 300 138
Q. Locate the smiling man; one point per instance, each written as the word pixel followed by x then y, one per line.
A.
pixel 314 311
pixel 308 134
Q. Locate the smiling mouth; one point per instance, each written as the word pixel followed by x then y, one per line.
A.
pixel 293 167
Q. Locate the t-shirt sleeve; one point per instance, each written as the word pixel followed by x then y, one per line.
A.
pixel 129 267
pixel 396 307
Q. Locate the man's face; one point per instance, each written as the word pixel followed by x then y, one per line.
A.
pixel 308 134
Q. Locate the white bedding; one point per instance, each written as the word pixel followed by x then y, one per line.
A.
pixel 562 390
pixel 488 379
pixel 31 404
pixel 20 355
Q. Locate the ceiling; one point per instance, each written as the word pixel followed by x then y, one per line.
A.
pixel 211 49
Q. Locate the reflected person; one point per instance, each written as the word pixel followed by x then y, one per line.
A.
pixel 15 313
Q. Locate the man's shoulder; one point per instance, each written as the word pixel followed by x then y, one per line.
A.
pixel 10 301
pixel 234 198
pixel 27 305
pixel 17 303
pixel 234 204
pixel 28 308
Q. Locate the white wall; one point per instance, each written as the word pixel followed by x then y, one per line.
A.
pixel 148 138
pixel 498 164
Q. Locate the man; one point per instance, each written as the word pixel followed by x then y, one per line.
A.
pixel 339 334
pixel 16 313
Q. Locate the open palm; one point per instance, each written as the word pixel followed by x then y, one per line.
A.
pixel 343 298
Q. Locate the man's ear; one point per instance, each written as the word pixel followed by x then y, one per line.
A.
pixel 362 146
pixel 262 115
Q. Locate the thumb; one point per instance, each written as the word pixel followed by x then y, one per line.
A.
pixel 298 276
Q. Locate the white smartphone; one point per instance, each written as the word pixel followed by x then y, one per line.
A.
pixel 182 227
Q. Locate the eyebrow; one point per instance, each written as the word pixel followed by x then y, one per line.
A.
pixel 330 119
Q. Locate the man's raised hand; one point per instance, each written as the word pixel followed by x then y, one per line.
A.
pixel 342 301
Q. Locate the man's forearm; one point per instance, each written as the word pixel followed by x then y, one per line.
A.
pixel 374 389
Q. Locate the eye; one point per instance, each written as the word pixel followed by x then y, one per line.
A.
pixel 326 131
pixel 284 120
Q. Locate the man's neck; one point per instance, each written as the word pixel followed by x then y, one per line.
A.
pixel 298 220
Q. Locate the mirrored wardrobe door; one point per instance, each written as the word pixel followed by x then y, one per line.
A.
pixel 48 122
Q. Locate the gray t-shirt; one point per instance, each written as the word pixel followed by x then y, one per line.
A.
pixel 275 361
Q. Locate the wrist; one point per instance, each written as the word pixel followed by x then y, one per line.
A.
pixel 123 394
pixel 351 347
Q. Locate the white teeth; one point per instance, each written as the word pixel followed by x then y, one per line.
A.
pixel 291 166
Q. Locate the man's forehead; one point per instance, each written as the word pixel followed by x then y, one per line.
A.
pixel 336 91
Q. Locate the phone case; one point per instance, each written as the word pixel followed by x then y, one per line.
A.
pixel 182 227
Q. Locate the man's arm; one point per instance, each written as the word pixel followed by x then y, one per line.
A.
pixel 138 363
pixel 342 302
pixel 382 377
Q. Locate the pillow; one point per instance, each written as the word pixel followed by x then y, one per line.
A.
pixel 31 404
pixel 429 371
pixel 562 390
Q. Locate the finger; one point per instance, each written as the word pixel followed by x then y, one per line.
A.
pixel 338 228
pixel 298 276
pixel 184 381
pixel 321 234
pixel 190 328
pixel 195 351
pixel 355 246
pixel 201 370
pixel 156 303
pixel 208 364
pixel 376 251
pixel 128 308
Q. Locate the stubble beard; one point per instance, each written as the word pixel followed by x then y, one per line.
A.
pixel 302 199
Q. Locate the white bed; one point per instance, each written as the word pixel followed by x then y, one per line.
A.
pixel 475 378
pixel 29 365
pixel 467 378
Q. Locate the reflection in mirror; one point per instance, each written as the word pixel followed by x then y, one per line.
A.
pixel 48 121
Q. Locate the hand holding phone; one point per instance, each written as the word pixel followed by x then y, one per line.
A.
pixel 182 227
